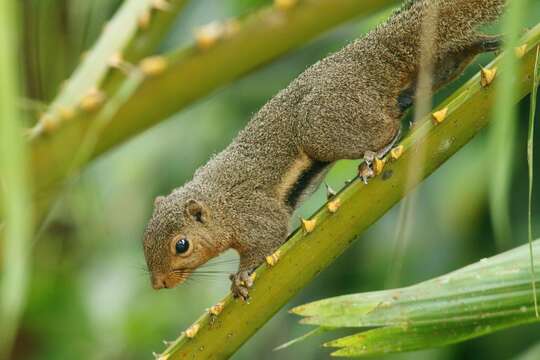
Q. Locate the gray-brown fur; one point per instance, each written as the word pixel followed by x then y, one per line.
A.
pixel 340 108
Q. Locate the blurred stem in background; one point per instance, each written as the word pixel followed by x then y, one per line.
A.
pixel 502 133
pixel 15 184
pixel 530 157
pixel 422 107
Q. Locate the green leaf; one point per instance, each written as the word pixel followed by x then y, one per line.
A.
pixel 479 299
pixel 401 339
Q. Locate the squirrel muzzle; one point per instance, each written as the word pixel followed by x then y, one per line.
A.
pixel 169 280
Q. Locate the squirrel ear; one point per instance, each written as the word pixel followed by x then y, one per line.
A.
pixel 158 200
pixel 197 211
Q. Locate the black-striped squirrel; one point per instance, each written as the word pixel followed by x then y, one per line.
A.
pixel 343 107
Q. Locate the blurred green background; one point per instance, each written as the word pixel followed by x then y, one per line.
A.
pixel 90 296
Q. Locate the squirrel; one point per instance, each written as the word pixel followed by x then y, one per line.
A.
pixel 346 106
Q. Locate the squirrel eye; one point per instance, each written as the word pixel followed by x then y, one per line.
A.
pixel 182 245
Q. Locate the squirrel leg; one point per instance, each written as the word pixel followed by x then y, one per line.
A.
pixel 451 63
pixel 242 280
pixel 265 230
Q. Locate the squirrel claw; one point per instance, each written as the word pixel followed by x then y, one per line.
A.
pixel 369 157
pixel 365 171
pixel 242 281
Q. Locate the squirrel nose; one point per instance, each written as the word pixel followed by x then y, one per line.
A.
pixel 158 282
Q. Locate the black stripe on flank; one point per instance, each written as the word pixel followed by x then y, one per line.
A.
pixel 406 99
pixel 303 181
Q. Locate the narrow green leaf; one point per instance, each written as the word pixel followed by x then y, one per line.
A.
pixel 530 151
pixel 14 184
pixel 344 307
pixel 405 338
pixel 316 331
pixel 503 129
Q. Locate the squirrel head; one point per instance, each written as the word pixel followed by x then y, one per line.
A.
pixel 180 236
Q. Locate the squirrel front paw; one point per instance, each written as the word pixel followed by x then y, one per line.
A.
pixel 365 172
pixel 365 169
pixel 242 281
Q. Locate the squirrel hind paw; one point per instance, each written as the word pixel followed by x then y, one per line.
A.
pixel 241 282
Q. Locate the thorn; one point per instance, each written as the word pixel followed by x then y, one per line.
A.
pixel 330 193
pixel 285 4
pixel 167 343
pixel 160 356
pixel 439 116
pixel 333 205
pixel 144 20
pixel 216 309
pixel 396 152
pixel 66 113
pixel 208 35
pixel 116 61
pixel 520 51
pixel 153 65
pixel 308 225
pixel 161 5
pixel 92 100
pixel 378 166
pixel 272 260
pixel 192 331
pixel 487 76
pixel 48 123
